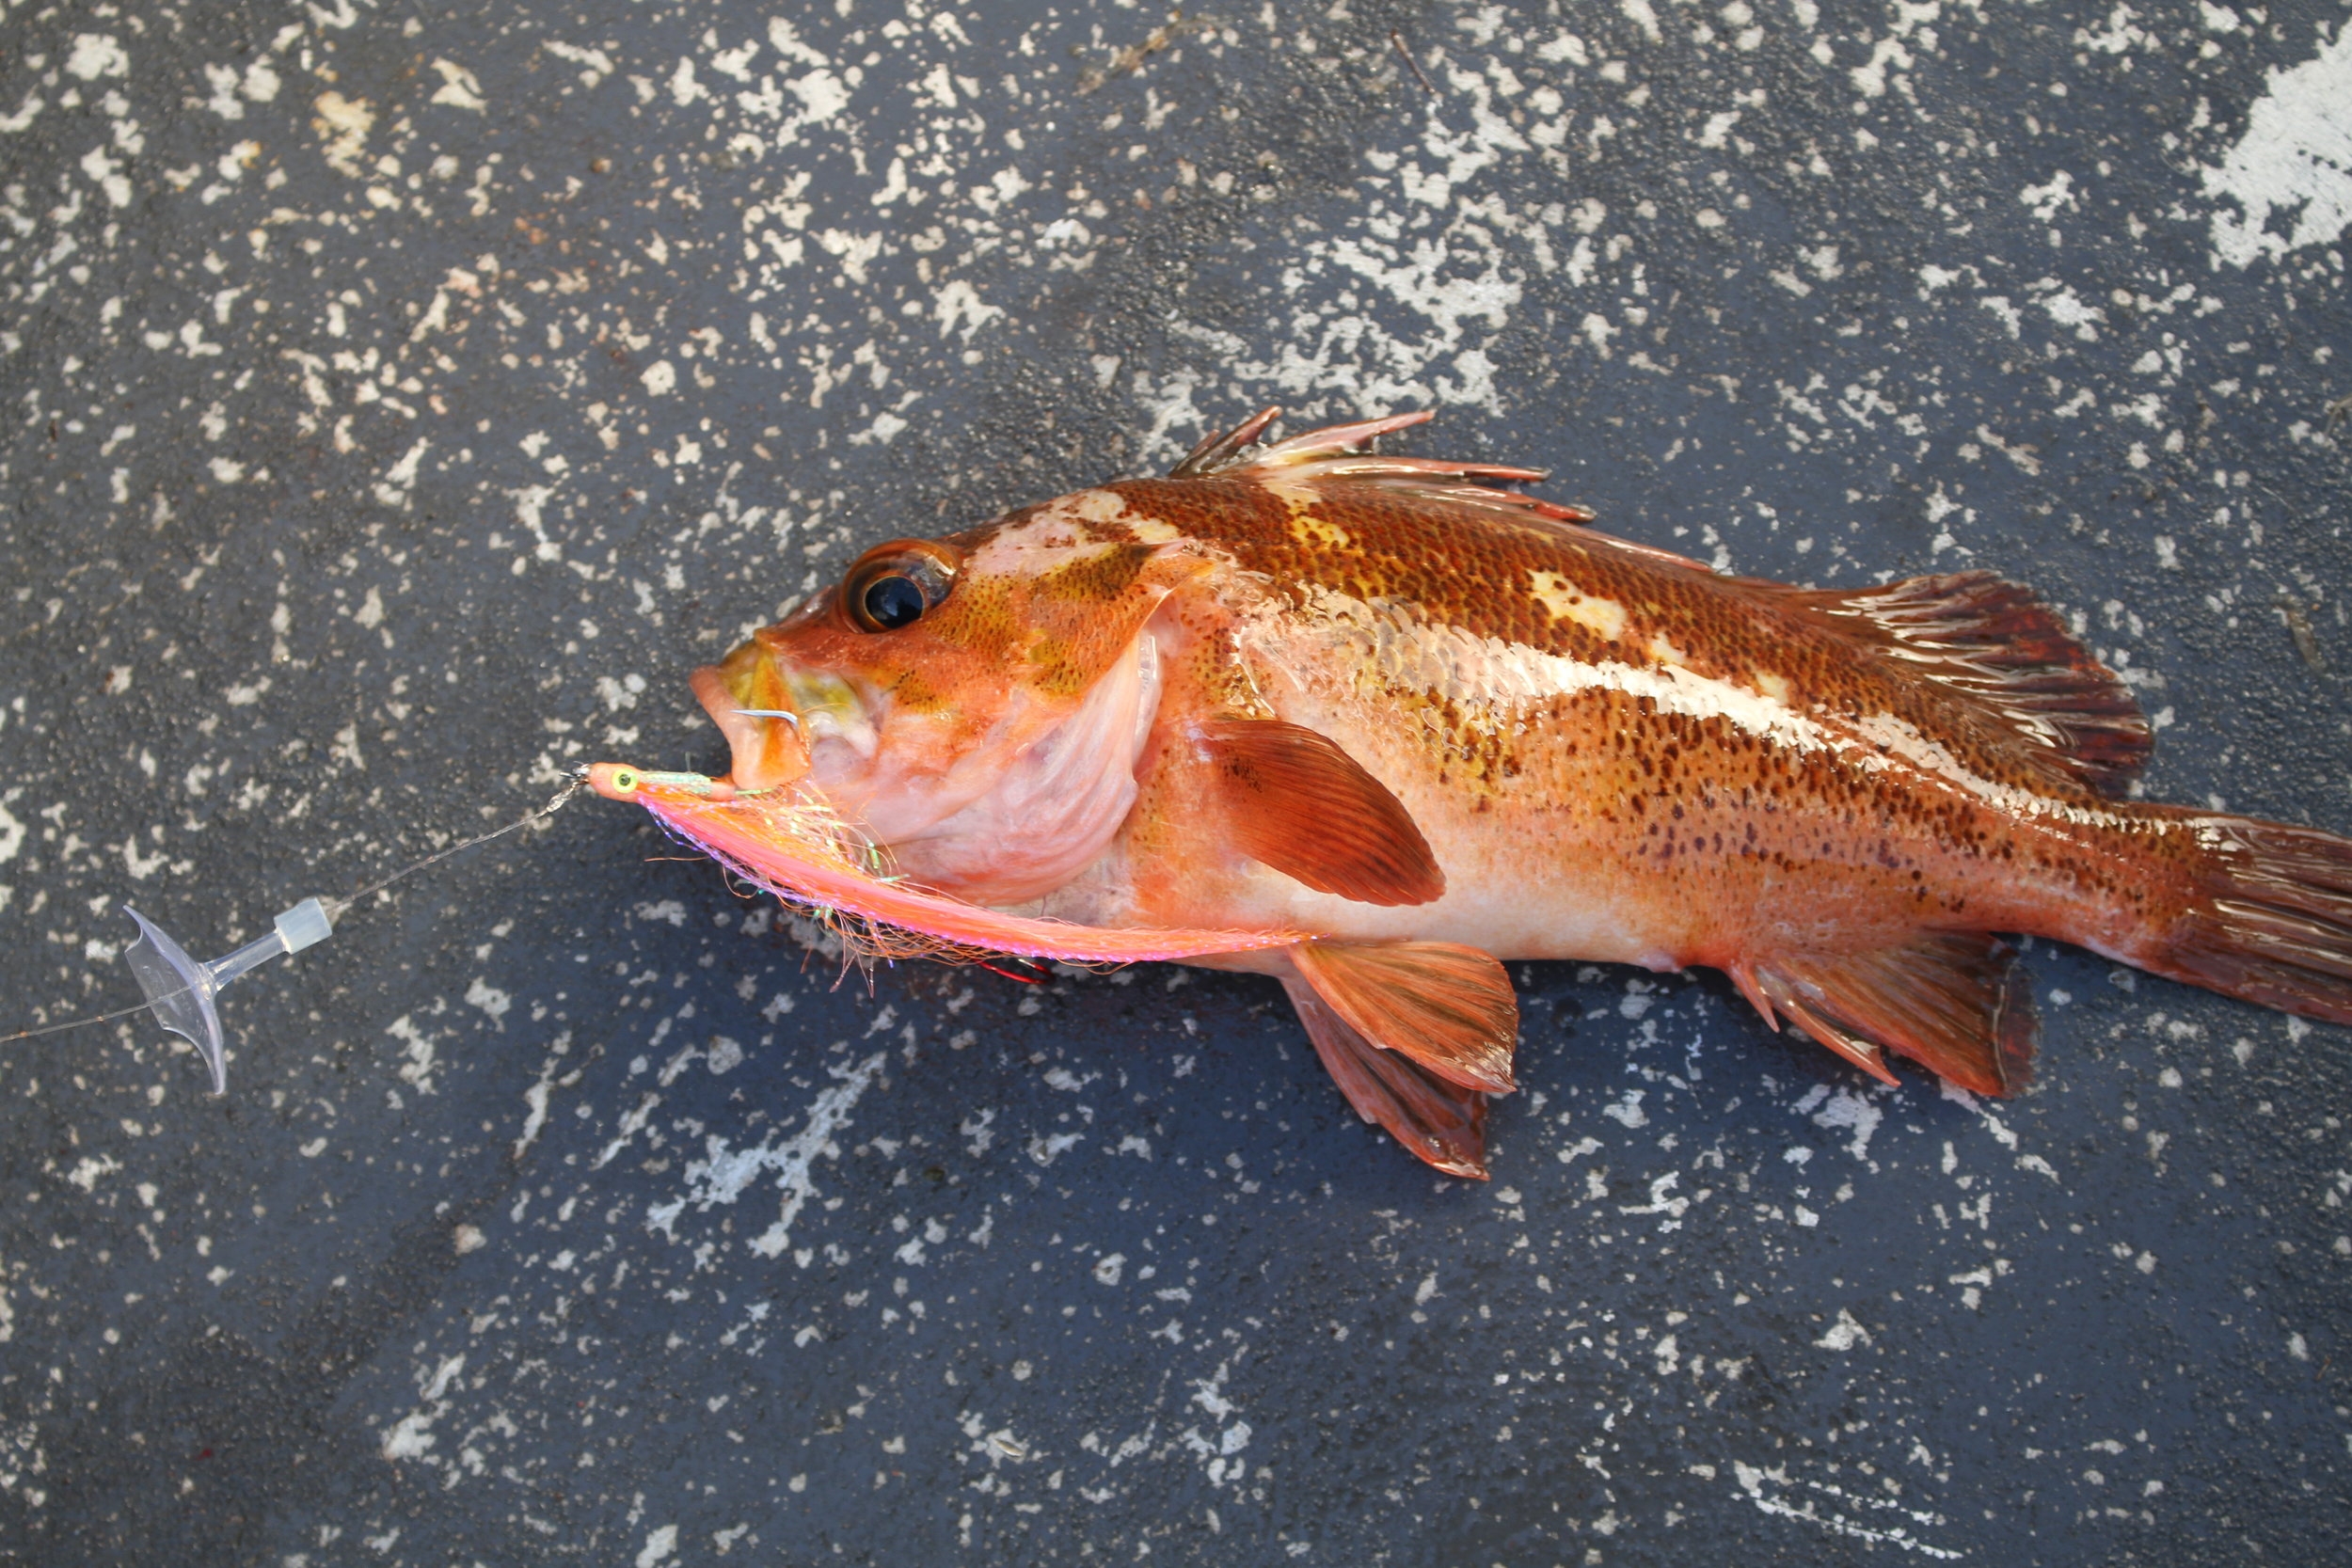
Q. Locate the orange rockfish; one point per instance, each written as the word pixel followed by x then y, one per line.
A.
pixel 1368 724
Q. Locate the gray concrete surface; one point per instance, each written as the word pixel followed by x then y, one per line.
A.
pixel 401 399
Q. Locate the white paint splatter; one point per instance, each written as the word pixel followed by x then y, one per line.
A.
pixel 1850 1110
pixel 535 1118
pixel 97 55
pixel 2001 1132
pixel 1844 1334
pixel 1045 1150
pixel 1662 1201
pixel 104 169
pixel 2297 152
pixel 418 1069
pixel 459 89
pixel 395 489
pixel 2045 200
pixel 412 1435
pixel 489 999
pixel 1869 78
pixel 594 63
pixel 11 831
pixel 1768 1490
pixel 959 304
pixel 343 124
pixel 141 866
pixel 725 1174
pixel 631 1124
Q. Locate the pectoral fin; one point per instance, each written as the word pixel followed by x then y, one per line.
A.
pixel 1953 1002
pixel 1443 1123
pixel 1298 803
pixel 1449 1009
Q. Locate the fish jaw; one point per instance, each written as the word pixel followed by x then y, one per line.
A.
pixel 787 724
pixel 748 698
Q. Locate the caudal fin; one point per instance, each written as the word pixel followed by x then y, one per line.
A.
pixel 2273 920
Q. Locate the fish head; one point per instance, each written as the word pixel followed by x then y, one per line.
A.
pixel 975 702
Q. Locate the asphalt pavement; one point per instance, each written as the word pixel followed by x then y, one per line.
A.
pixel 401 399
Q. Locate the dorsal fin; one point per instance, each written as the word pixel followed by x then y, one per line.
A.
pixel 1995 643
pixel 1331 456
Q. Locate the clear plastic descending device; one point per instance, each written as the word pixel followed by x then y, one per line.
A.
pixel 180 990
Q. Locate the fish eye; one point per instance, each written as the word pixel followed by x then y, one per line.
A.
pixel 893 602
pixel 895 585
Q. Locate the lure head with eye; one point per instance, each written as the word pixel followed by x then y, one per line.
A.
pixel 909 691
pixel 614 781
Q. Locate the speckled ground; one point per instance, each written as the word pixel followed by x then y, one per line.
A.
pixel 399 402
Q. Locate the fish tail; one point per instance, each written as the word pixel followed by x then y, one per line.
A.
pixel 2270 918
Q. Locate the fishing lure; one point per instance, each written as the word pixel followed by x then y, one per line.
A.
pixel 791 844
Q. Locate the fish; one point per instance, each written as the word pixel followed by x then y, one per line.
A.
pixel 1373 725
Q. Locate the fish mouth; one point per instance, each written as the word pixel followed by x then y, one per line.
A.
pixel 748 697
pixel 775 714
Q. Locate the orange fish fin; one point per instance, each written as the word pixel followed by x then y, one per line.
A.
pixel 1330 457
pixel 1449 1009
pixel 2273 921
pixel 1957 1003
pixel 1443 1123
pixel 1744 977
pixel 1220 449
pixel 1864 1053
pixel 1994 644
pixel 1298 803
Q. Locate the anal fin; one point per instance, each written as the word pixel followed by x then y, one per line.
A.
pixel 1443 1123
pixel 1296 801
pixel 1956 1002
pixel 1448 1007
